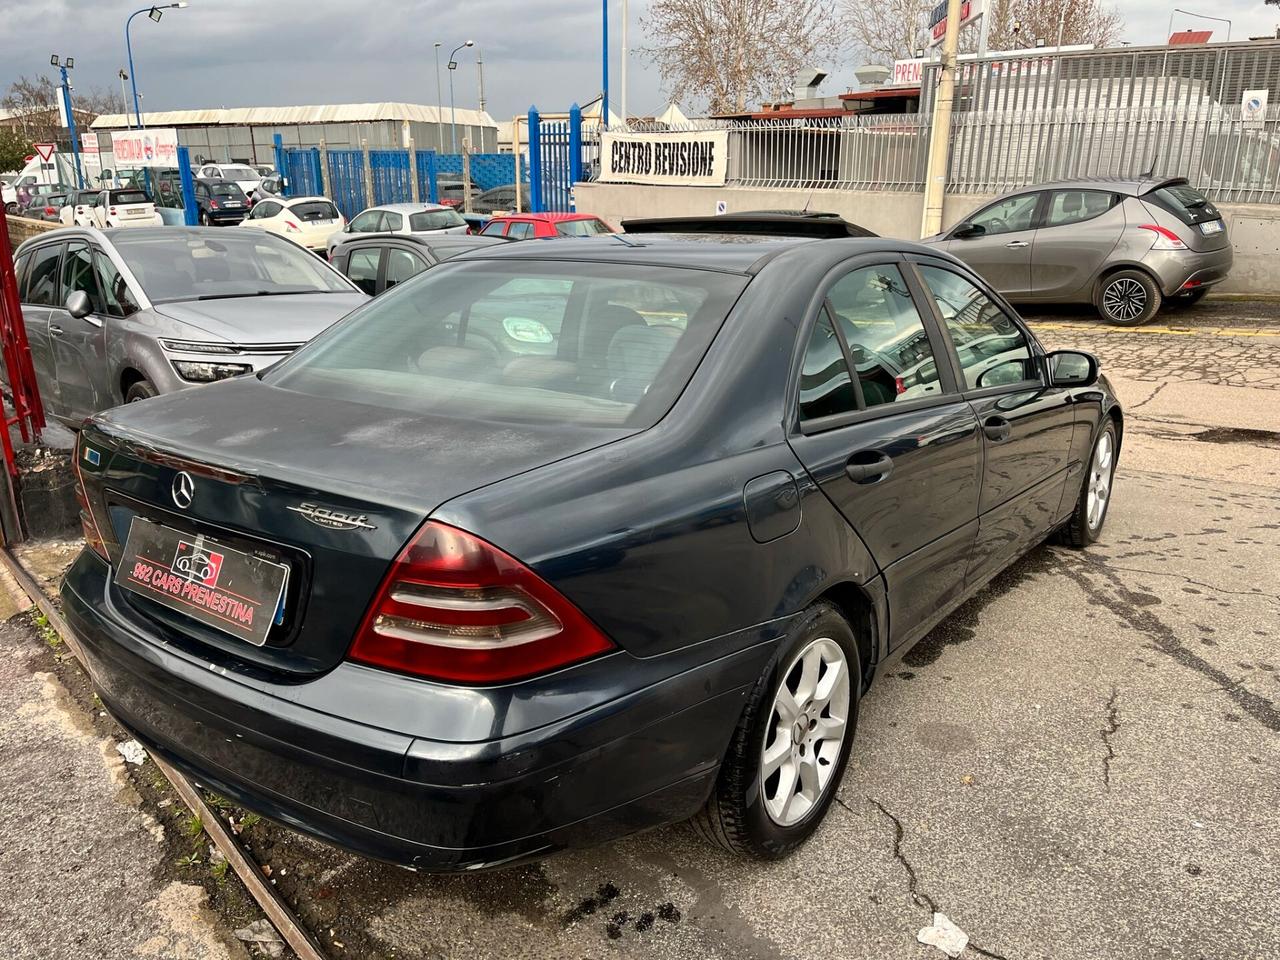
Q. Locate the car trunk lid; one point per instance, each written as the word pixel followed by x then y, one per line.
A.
pixel 1180 207
pixel 333 498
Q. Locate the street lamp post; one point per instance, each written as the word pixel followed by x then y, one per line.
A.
pixel 453 111
pixel 154 13
pixel 69 63
pixel 439 100
pixel 1201 16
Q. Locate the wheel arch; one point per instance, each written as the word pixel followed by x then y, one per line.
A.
pixel 859 610
pixel 1111 269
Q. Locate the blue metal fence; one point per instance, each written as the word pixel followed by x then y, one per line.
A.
pixel 390 175
pixel 346 181
pixel 555 161
pixel 428 161
pixel 302 168
pixel 488 170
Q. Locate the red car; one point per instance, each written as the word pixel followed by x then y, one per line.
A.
pixel 527 226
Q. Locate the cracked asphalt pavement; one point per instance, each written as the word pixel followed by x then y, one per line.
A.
pixel 1079 763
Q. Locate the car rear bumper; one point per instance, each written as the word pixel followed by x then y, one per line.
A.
pixel 619 765
pixel 1179 269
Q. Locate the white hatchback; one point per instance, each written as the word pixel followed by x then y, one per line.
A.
pixel 127 207
pixel 309 221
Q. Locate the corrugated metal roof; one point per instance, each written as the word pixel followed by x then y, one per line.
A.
pixel 287 116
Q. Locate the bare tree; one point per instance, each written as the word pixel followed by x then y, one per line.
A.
pixel 888 29
pixel 735 52
pixel 1020 23
pixel 99 100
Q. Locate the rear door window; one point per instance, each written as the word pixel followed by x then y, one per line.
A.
pixel 992 348
pixel 1185 202
pixel 520 230
pixel 42 281
pixel 826 389
pixel 435 220
pixel 1076 206
pixel 401 265
pixel 581 228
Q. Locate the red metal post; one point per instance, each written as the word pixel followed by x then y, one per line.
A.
pixel 28 412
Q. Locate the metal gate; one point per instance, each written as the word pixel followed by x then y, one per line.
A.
pixel 302 167
pixel 346 181
pixel 389 171
pixel 555 161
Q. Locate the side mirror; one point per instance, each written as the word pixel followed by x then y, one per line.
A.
pixel 968 230
pixel 1072 368
pixel 78 305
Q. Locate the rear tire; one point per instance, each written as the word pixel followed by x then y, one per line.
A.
pixel 1128 298
pixel 204 219
pixel 785 762
pixel 142 390
pixel 1094 500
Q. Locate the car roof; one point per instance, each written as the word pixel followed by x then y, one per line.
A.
pixel 411 207
pixel 290 201
pixel 547 217
pixel 726 253
pixel 428 240
pixel 1128 186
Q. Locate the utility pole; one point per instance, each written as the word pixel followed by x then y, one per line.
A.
pixel 480 73
pixel 604 56
pixel 935 183
pixel 625 52
pixel 439 100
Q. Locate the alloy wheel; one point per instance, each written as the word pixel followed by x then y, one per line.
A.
pixel 1100 474
pixel 1124 299
pixel 806 731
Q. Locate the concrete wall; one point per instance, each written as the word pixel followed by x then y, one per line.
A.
pixel 1254 228
pixel 20 228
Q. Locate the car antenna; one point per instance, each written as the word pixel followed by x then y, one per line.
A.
pixel 808 200
pixel 1151 170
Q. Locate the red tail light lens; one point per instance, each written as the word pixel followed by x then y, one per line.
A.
pixel 213 204
pixel 456 608
pixel 1166 239
pixel 88 522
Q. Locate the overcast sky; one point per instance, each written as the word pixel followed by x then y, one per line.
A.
pixel 285 52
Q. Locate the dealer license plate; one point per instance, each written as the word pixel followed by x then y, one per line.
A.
pixel 134 211
pixel 226 589
pixel 1211 227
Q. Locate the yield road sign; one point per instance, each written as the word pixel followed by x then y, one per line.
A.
pixel 45 149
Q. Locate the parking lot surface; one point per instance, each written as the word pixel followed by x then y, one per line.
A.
pixel 1079 763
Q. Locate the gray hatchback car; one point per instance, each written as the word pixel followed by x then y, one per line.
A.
pixel 115 316
pixel 1126 246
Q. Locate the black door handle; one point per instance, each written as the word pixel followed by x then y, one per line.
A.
pixel 869 466
pixel 996 429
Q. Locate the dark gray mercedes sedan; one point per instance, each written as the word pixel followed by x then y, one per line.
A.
pixel 555 542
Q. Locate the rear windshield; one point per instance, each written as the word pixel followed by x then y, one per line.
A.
pixel 524 342
pixel 435 220
pixel 1185 202
pixel 239 173
pixel 178 265
pixel 314 210
pixel 129 196
pixel 581 228
pixel 226 190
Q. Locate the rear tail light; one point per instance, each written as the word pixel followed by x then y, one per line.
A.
pixel 49 211
pixel 1166 239
pixel 458 609
pixel 88 522
pixel 293 227
pixel 112 211
pixel 213 204
pixel 1192 284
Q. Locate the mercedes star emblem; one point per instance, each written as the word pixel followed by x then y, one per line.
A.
pixel 184 489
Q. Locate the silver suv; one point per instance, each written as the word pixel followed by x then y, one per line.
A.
pixel 115 316
pixel 1126 246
